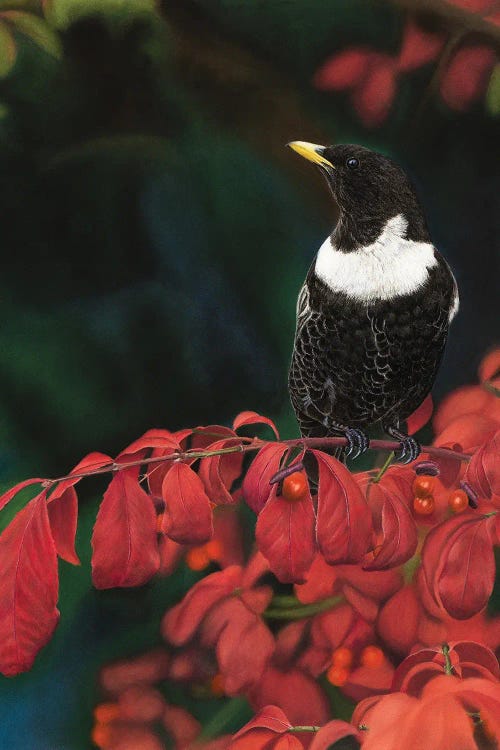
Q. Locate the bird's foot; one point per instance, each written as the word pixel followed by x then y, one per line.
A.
pixel 357 442
pixel 409 448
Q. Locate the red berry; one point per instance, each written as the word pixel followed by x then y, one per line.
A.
pixel 372 657
pixel 342 657
pixel 337 675
pixel 458 501
pixel 295 486
pixel 424 506
pixel 423 486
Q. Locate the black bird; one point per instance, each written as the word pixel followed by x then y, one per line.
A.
pixel 374 310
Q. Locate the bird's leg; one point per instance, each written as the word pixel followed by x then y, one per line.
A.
pixel 357 440
pixel 410 449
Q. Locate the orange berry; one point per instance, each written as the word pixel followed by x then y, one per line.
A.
pixel 424 506
pixel 214 549
pixel 458 501
pixel 372 657
pixel 423 486
pixel 217 686
pixel 337 676
pixel 106 712
pixel 197 558
pixel 295 486
pixel 342 657
pixel 101 736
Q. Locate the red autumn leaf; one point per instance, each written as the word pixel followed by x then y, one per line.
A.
pixel 269 717
pixel 331 733
pixel 183 728
pixel 170 554
pixel 285 536
pixel 376 584
pixel 363 605
pixel 181 622
pixel 152 439
pixel 124 546
pixel 188 517
pixel 468 573
pixel 343 70
pixel 398 620
pixel 365 681
pixel 90 463
pixel 474 6
pixel 256 488
pixel 483 471
pixel 319 584
pixel 219 472
pixel 399 534
pixel 343 526
pixel 466 78
pixel 490 366
pixel 28 587
pixel 202 437
pixel 469 399
pixel 420 416
pixel 251 417
pixel 467 432
pixel 373 98
pixel 244 647
pixel 419 47
pixel 7 496
pixel 298 694
pixel 63 517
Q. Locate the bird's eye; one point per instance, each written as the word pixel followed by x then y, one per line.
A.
pixel 352 162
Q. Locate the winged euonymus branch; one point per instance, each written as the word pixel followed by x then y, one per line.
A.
pixel 166 488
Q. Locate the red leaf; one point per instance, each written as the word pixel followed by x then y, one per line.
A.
pixel 342 71
pixel 269 717
pixel 251 417
pixel 467 432
pixel 154 438
pixel 256 488
pixel 124 546
pixel 244 648
pixel 469 399
pixel 399 534
pixel 297 693
pixel 419 48
pixel 63 517
pixel 490 366
pixel 483 471
pixel 466 77
pixel 398 620
pixel 28 587
pixel 420 416
pixel 188 516
pixel 373 98
pixel 89 463
pixel 170 553
pixel 343 526
pixel 202 437
pixel 468 573
pixel 285 536
pixel 7 496
pixel 219 472
pixel 333 732
pixel 181 622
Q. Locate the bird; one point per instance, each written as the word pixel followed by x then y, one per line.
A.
pixel 373 313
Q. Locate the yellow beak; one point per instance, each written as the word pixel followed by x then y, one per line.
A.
pixel 311 151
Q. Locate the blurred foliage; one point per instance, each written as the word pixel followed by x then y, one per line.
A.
pixel 155 233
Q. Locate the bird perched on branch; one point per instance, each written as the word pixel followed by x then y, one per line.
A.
pixel 374 310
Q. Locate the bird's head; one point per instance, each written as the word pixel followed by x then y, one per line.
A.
pixel 369 189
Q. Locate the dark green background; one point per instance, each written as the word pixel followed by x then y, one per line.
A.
pixel 155 232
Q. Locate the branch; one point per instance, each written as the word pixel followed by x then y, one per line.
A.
pixel 461 18
pixel 253 444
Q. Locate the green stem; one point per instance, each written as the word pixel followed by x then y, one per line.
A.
pixel 229 712
pixel 304 729
pixel 303 610
pixel 383 469
pixel 448 667
pixel 285 601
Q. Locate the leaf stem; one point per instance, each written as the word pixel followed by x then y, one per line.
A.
pixel 303 610
pixel 383 469
pixel 304 729
pixel 448 666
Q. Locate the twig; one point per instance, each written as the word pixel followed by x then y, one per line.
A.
pixel 254 445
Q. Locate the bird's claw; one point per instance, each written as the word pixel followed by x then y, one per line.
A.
pixel 409 450
pixel 357 443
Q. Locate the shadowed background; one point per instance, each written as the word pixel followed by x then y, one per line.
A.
pixel 155 232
